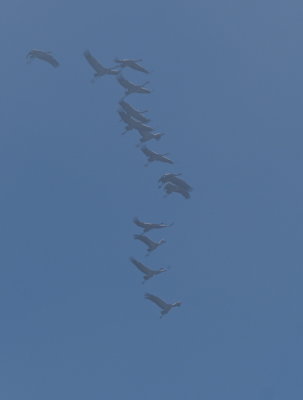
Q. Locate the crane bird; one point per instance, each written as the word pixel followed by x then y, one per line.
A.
pixel 131 64
pixel 150 243
pixel 148 226
pixel 148 272
pixel 95 64
pixel 171 187
pixel 42 55
pixel 130 110
pixel 166 307
pixel 132 87
pixel 152 156
pixel 173 178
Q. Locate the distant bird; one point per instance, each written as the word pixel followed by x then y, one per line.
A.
pixel 170 188
pixel 148 226
pixel 131 64
pixel 150 243
pixel 132 87
pixel 95 64
pixel 160 303
pixel 148 272
pixel 133 112
pixel 42 55
pixel 173 178
pixel 152 156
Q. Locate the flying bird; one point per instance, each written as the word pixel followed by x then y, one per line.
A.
pixel 131 64
pixel 148 272
pixel 150 243
pixel 160 303
pixel 152 156
pixel 173 178
pixel 132 87
pixel 42 55
pixel 133 112
pixel 95 64
pixel 148 226
pixel 171 187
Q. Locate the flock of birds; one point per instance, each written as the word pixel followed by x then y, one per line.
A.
pixel 135 120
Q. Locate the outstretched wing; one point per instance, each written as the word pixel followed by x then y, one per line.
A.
pixel 148 152
pixel 138 67
pixel 144 239
pixel 160 303
pixel 140 266
pixel 181 182
pixel 94 63
pixel 125 83
pixel 51 60
pixel 43 55
pixel 138 222
pixel 123 116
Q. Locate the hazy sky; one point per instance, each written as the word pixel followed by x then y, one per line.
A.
pixel 227 91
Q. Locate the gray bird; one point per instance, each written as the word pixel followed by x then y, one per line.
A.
pixel 95 64
pixel 150 243
pixel 170 188
pixel 133 112
pixel 148 226
pixel 132 87
pixel 148 272
pixel 42 55
pixel 131 64
pixel 152 156
pixel 166 307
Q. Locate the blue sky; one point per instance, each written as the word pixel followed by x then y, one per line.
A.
pixel 227 91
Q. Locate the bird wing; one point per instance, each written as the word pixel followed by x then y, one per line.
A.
pixel 123 116
pixel 170 187
pixel 143 268
pixel 138 222
pixel 144 239
pixel 160 303
pixel 45 56
pixel 51 60
pixel 148 152
pixel 125 83
pixel 145 135
pixel 144 127
pixel 161 157
pixel 138 67
pixel 94 62
pixel 181 182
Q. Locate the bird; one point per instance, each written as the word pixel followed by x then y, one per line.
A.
pixel 173 178
pixel 150 243
pixel 132 87
pixel 95 64
pixel 42 55
pixel 147 226
pixel 148 272
pixel 131 64
pixel 152 156
pixel 166 307
pixel 170 188
pixel 133 112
